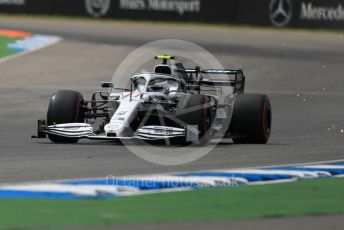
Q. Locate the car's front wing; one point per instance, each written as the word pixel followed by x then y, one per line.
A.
pixel 85 131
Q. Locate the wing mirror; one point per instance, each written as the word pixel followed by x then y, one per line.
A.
pixel 107 85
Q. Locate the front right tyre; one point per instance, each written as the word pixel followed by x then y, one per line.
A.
pixel 65 107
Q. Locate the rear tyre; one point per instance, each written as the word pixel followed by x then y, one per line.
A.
pixel 196 110
pixel 64 107
pixel 251 119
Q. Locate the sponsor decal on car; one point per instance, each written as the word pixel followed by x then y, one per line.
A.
pixel 121 113
pixel 163 130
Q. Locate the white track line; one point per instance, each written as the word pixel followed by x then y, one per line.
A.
pixel 298 174
pixel 79 190
pixel 323 166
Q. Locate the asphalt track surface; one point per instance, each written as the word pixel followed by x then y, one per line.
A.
pixel 302 72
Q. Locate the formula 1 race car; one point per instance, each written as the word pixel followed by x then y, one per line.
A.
pixel 172 103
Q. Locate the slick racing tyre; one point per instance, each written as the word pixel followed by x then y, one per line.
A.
pixel 196 110
pixel 64 107
pixel 251 119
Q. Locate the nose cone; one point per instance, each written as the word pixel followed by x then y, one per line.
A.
pixel 114 129
pixel 122 119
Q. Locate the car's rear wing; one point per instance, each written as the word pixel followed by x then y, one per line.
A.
pixel 213 71
pixel 238 83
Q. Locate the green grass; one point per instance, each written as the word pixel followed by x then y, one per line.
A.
pixel 311 197
pixel 4 51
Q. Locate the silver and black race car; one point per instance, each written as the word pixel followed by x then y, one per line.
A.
pixel 172 104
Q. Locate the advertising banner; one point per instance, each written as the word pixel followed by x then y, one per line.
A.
pixel 277 13
pixel 26 6
pixel 163 10
pixel 320 13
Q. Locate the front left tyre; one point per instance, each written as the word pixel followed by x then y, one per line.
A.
pixel 65 107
